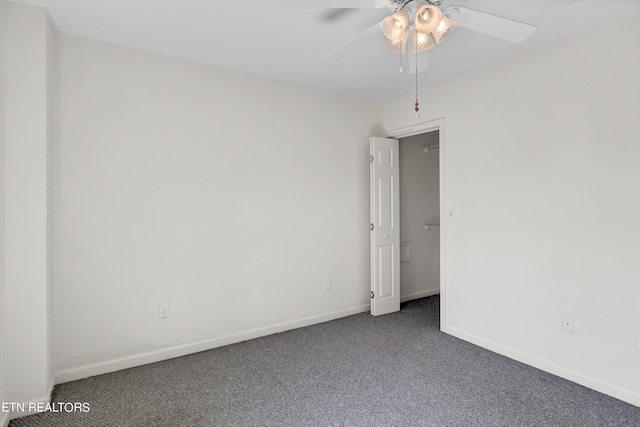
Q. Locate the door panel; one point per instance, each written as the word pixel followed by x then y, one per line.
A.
pixel 385 271
pixel 385 199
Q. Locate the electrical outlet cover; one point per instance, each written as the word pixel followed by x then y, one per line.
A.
pixel 163 311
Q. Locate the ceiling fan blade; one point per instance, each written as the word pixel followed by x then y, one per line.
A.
pixel 492 25
pixel 333 4
pixel 335 14
pixel 374 29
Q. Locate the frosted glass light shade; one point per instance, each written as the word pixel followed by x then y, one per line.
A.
pixel 394 27
pixel 422 42
pixel 444 28
pixel 400 46
pixel 427 18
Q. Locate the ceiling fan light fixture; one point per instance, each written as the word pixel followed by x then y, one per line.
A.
pixel 399 46
pixel 427 18
pixel 422 42
pixel 444 29
pixel 394 27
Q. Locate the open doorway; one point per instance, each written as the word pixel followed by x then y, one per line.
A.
pixel 386 288
pixel 419 215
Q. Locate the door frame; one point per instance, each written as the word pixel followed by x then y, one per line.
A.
pixel 415 129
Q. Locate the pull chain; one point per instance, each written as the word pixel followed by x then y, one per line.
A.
pixel 417 107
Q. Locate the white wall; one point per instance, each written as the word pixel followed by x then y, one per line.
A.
pixel 419 205
pixel 233 197
pixel 228 196
pixel 542 166
pixel 26 267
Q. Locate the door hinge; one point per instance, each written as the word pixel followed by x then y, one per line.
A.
pixel 372 227
pixel 372 295
pixel 371 159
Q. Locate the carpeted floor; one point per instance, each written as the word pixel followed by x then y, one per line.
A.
pixel 337 374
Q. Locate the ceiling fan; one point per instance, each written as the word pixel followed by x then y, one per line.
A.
pixel 417 26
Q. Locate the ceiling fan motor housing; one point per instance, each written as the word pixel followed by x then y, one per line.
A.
pixel 396 5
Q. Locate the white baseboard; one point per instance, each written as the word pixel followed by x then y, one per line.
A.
pixel 118 364
pixel 589 382
pixel 418 295
pixel 38 401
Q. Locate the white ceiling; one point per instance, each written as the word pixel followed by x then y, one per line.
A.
pixel 259 37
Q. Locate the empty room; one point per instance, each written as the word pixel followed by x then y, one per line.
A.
pixel 319 212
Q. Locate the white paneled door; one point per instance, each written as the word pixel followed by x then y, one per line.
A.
pixel 385 226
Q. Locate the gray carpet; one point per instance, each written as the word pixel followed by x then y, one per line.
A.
pixel 335 374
